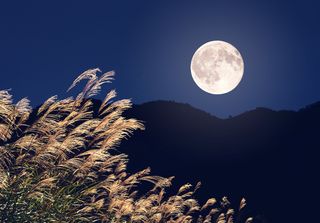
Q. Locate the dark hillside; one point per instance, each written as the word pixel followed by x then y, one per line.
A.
pixel 269 157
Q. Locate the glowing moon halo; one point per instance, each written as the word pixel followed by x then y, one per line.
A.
pixel 217 67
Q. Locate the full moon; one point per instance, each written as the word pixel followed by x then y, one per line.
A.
pixel 217 67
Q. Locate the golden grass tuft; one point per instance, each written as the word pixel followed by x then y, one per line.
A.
pixel 62 167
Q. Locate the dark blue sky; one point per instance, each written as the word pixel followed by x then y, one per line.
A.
pixel 44 45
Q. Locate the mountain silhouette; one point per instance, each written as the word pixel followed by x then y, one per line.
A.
pixel 269 157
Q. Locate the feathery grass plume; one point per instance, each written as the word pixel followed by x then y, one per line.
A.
pixel 62 167
pixel 243 203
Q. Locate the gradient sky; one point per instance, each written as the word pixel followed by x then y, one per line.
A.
pixel 44 45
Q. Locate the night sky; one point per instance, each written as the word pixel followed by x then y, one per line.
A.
pixel 44 45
